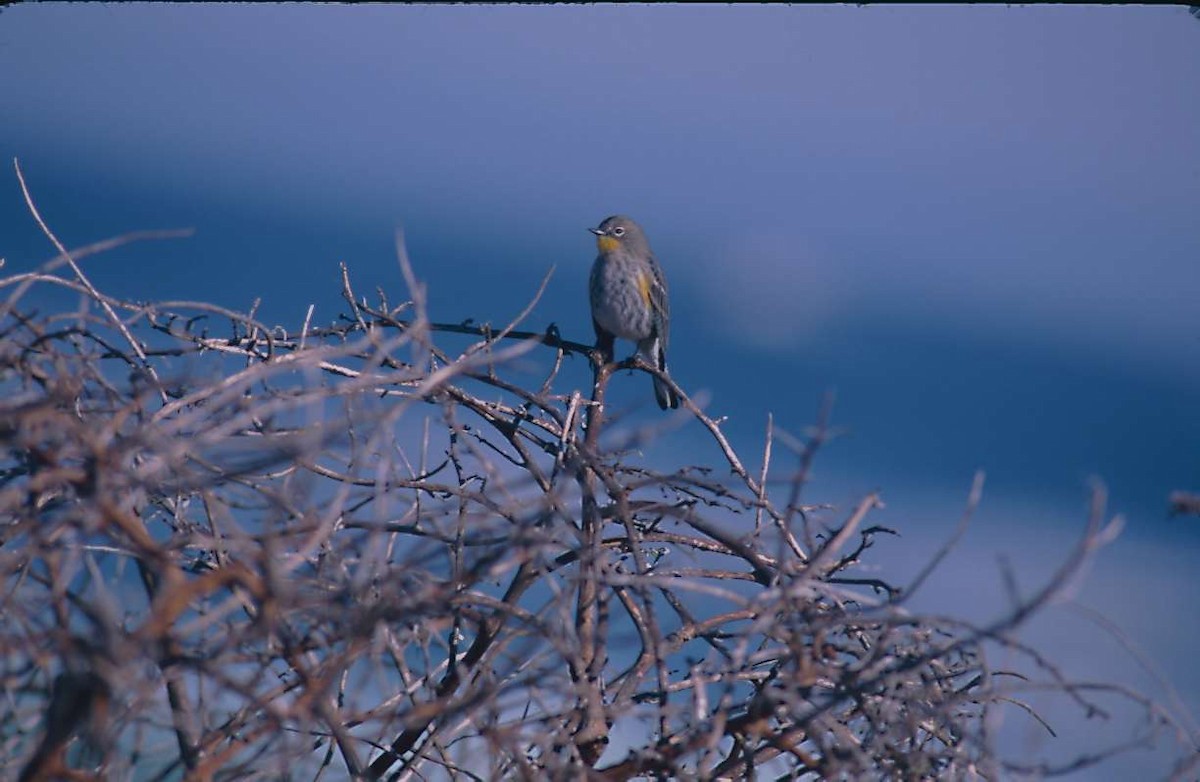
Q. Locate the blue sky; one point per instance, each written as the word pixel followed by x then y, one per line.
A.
pixel 977 224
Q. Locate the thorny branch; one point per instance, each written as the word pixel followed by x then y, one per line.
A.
pixel 354 551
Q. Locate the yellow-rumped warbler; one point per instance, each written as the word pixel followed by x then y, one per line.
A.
pixel 629 297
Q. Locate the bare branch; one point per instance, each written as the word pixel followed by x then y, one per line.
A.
pixel 350 551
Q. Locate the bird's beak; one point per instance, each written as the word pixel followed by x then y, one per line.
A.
pixel 596 231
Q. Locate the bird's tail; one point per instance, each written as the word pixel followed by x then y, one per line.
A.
pixel 663 394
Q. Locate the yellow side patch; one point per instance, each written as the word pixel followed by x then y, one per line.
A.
pixel 607 243
pixel 645 281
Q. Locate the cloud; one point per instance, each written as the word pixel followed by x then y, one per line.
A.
pixel 773 289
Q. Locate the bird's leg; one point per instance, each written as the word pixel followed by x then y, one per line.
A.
pixel 603 352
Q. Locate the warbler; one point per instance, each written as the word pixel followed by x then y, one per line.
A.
pixel 628 293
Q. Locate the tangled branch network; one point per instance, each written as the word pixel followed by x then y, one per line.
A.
pixel 348 551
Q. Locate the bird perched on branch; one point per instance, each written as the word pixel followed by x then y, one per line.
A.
pixel 629 298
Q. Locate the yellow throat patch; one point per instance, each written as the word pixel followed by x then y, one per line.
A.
pixel 607 244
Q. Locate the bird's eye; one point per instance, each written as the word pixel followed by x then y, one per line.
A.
pixel 618 231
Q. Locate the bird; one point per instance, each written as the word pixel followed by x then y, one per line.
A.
pixel 628 294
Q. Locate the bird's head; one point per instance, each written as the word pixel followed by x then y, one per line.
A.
pixel 620 232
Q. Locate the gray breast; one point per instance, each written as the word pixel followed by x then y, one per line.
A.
pixel 617 304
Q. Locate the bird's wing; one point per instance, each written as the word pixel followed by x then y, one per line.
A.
pixel 659 303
